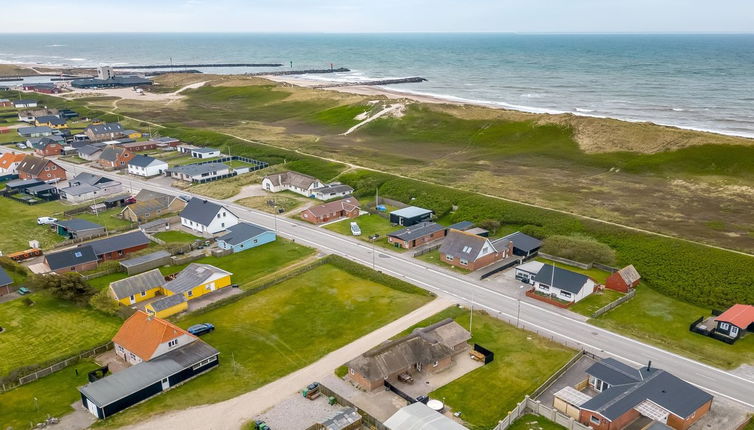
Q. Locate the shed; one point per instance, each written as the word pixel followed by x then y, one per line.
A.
pixel 146 262
pixel 243 236
pixel 410 216
pixel 77 228
pixel 523 244
pixel 5 282
pixel 345 419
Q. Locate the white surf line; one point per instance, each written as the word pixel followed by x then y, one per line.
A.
pixel 373 117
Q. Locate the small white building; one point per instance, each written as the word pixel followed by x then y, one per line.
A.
pixel 199 172
pixel 205 217
pixel 205 152
pixel 527 271
pixel 563 284
pixel 84 192
pixel 291 181
pixel 143 165
pixel 332 191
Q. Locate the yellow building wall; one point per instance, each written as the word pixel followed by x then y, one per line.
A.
pixel 136 135
pixel 139 298
pixel 202 289
pixel 180 307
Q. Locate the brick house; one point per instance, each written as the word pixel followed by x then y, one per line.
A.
pixel 40 168
pixel 140 146
pixel 79 259
pixel 624 279
pixel 100 132
pixel 115 157
pixel 344 208
pixel 46 147
pixel 417 235
pixel 426 350
pixel 470 251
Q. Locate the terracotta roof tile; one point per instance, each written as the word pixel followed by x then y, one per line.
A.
pixel 141 334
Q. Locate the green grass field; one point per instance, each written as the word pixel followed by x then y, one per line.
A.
pixel 108 218
pixel 663 321
pixel 523 361
pixel 50 329
pixel 287 203
pixel 267 335
pixel 104 281
pixel 370 224
pixel 21 219
pixel 595 301
pixel 434 258
pixel 176 236
pixel 534 422
pixel 54 395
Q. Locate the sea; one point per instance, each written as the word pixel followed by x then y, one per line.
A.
pixel 701 82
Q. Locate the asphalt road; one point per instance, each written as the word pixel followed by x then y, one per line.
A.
pixel 536 317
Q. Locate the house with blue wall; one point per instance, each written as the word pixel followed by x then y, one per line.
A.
pixel 243 236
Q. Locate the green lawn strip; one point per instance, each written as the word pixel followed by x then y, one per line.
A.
pixel 108 219
pixel 176 236
pixel 523 361
pixel 287 203
pixel 598 275
pixel 595 301
pixel 21 220
pixel 54 396
pixel 534 422
pixel 101 282
pixel 267 335
pixel 663 321
pixel 369 224
pixel 434 258
pixel 49 330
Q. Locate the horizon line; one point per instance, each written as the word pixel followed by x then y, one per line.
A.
pixel 690 33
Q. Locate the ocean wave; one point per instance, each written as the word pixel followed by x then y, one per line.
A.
pixel 76 59
pixel 582 110
pixel 55 45
pixel 533 95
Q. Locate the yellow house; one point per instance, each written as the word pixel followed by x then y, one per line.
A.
pixel 167 306
pixel 50 121
pixel 137 288
pixel 133 134
pixel 194 281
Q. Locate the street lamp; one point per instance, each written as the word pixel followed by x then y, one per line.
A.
pixel 372 238
pixel 518 312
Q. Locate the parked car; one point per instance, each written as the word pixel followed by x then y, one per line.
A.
pixel 46 220
pixel 355 229
pixel 200 329
pixel 21 145
pixel 24 291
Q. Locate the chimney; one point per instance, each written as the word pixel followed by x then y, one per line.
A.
pixel 649 366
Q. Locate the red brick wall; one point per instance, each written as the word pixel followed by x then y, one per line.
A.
pixel 79 268
pixel 474 265
pixel 617 424
pixel 46 175
pixel 417 242
pixel 533 295
pixel 116 256
pixel 310 217
pixel 52 149
pixel 679 423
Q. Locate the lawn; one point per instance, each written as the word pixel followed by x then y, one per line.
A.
pixel 523 361
pixel 434 258
pixel 287 203
pixel 21 219
pixel 108 219
pixel 534 422
pixel 663 321
pixel 104 281
pixel 176 236
pixel 595 301
pixel 54 395
pixel 50 329
pixel 267 335
pixel 370 224
pixel 598 275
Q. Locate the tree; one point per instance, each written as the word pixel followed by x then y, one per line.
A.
pixel 490 225
pixel 69 286
pixel 579 248
pixel 104 303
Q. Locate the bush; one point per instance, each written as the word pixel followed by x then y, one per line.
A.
pixel 491 225
pixel 69 286
pixel 579 248
pixel 27 301
pixel 104 303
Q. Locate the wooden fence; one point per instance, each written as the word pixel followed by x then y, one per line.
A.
pixel 536 407
pixel 370 421
pixel 427 250
pixel 615 303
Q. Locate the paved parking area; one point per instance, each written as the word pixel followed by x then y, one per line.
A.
pixel 425 383
pixel 298 413
pixel 572 377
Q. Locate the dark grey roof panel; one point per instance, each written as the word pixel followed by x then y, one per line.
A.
pixel 564 279
pixel 71 257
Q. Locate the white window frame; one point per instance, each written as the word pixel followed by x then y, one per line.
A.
pixel 594 419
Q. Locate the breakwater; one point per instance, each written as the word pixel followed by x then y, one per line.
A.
pixel 409 80
pixel 299 72
pixel 185 66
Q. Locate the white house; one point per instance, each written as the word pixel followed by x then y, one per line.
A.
pixel 25 103
pixel 199 172
pixel 331 191
pixel 562 284
pixel 142 338
pixel 291 181
pixel 83 192
pixel 143 165
pixel 527 271
pixel 205 152
pixel 206 217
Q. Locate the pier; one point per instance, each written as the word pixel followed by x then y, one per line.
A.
pixel 409 80
pixel 299 72
pixel 186 66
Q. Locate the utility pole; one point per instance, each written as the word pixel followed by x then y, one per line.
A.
pixel 518 312
pixel 471 314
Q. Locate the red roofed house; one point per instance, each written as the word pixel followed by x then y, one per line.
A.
pixel 737 320
pixel 344 208
pixel 624 280
pixel 143 337
pixel 32 167
pixel 9 162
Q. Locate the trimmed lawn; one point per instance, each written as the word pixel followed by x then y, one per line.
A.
pixel 663 321
pixel 287 203
pixel 369 224
pixel 21 219
pixel 598 275
pixel 595 301
pixel 50 329
pixel 267 335
pixel 176 236
pixel 534 422
pixel 108 218
pixel 523 361
pixel 54 395
pixel 434 258
pixel 104 281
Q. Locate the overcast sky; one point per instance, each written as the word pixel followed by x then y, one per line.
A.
pixel 612 16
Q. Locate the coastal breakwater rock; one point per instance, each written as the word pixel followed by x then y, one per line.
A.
pixel 412 79
pixel 299 72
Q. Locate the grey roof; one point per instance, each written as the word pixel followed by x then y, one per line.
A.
pixel 193 275
pixel 168 302
pixel 205 150
pixel 24 102
pixel 89 149
pixel 241 232
pixel 563 280
pixel 78 224
pixel 37 141
pixel 13 183
pixel 424 345
pixel 520 240
pixel 614 372
pixel 31 130
pixel 201 211
pixel 41 188
pixel 411 212
pixel 461 244
pixel 418 416
pixel 629 274
pixel 137 284
pixel 131 262
pixel 79 190
pixel 89 179
pixel 418 230
pixel 165 139
pixel 343 419
pixel 463 225
pixel 71 257
pixel 132 379
pixel 5 279
pixel 111 153
pixel 117 243
pixel 664 389
pixel 334 188
pixel 52 119
pixel 110 127
pixel 144 161
pixel 198 169
pixel 291 178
